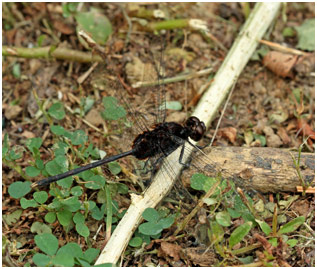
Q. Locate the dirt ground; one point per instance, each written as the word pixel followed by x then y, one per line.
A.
pixel 272 105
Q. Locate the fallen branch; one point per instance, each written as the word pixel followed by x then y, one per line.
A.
pixel 51 53
pixel 238 56
pixel 261 169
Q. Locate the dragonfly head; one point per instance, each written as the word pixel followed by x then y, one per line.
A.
pixel 195 127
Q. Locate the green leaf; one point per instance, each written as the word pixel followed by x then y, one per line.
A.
pixel 79 218
pixel 88 103
pixel 150 214
pixel 41 260
pixel 216 232
pixel 297 94
pixel 69 8
pixel 97 213
pixel 79 138
pixel 28 203
pixel 292 242
pixel 34 143
pixel 150 228
pixel 234 213
pixel 39 164
pixel 47 243
pixel 57 111
pixel 223 218
pixel 96 182
pixel 246 260
pixel 53 168
pixel 114 168
pixel 82 229
pixel 71 204
pixel 113 111
pixel 95 24
pixel 210 201
pixel 261 138
pixel 65 183
pixel 288 32
pixel 60 148
pixel 50 217
pixel 174 105
pixel 72 249
pixel 122 188
pixel 40 40
pixel 58 130
pixel 197 181
pixel 5 145
pixel 91 254
pixel 62 162
pixel 292 225
pixel 76 191
pixel 135 242
pixel 40 196
pixel 166 222
pixel 64 217
pixel 239 233
pixel 273 241
pixel 12 217
pixel 40 228
pixel 16 70
pixel 63 260
pixel 32 171
pixel 16 153
pixel 306 35
pixel 264 227
pixel 19 189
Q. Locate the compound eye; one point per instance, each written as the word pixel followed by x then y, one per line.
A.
pixel 196 128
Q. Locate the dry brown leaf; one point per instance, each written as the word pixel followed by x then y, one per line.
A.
pixel 171 250
pixel 28 134
pixel 12 112
pixel 63 27
pixel 283 135
pixel 94 117
pixel 305 128
pixel 272 139
pixel 280 63
pixel 230 133
pixel 199 256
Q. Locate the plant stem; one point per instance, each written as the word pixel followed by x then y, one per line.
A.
pixel 51 53
pixel 17 168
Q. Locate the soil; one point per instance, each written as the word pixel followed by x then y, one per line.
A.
pixel 271 106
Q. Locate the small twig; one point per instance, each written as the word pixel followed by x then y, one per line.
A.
pixel 223 112
pixel 215 39
pixel 197 207
pixel 84 121
pixel 49 30
pixel 84 76
pixel 93 45
pixel 126 16
pixel 51 53
pixel 97 232
pixel 247 204
pixel 282 48
pixel 174 79
pixel 297 166
pixel 306 190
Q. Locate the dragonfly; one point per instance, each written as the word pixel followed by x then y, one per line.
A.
pixel 155 142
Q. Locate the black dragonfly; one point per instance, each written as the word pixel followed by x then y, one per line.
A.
pixel 154 143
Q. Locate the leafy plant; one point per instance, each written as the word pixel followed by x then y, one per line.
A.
pixel 112 111
pixel 68 255
pixel 155 223
pixel 306 35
